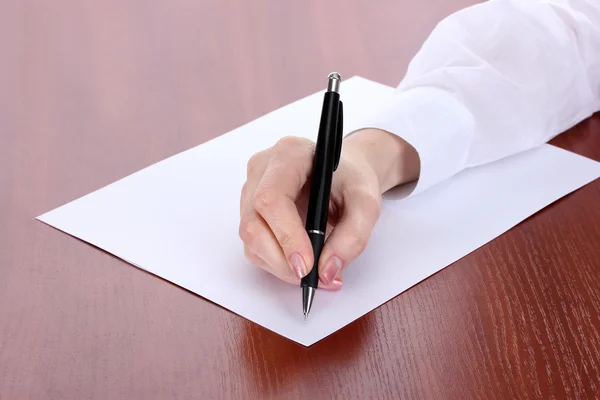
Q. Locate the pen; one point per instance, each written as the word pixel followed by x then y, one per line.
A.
pixel 326 159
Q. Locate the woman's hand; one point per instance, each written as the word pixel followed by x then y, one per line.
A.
pixel 275 197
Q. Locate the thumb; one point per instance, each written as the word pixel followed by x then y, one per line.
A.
pixel 350 236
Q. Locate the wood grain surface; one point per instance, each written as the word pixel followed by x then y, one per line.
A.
pixel 93 91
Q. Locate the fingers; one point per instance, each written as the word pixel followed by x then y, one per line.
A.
pixel 350 236
pixel 274 200
pixel 254 171
pixel 271 226
pixel 334 285
pixel 274 255
pixel 253 258
pixel 261 247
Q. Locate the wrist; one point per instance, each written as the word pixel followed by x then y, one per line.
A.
pixel 393 160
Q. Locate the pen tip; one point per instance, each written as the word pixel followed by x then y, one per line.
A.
pixel 307 299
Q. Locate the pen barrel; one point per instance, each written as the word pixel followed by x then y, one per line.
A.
pixel 323 164
pixel 312 278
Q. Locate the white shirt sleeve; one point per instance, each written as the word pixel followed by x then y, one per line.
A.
pixel 495 79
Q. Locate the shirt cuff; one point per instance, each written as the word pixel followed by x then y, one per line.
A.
pixel 435 123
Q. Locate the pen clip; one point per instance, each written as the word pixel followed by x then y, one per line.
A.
pixel 339 135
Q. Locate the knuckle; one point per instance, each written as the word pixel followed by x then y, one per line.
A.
pixel 264 199
pixel 359 241
pixel 370 201
pixel 254 162
pixel 286 240
pixel 293 145
pixel 249 230
pixel 371 197
pixel 289 142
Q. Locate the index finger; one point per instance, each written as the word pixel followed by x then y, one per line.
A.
pixel 274 199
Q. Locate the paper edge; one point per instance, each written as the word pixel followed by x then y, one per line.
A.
pixel 43 218
pixel 308 344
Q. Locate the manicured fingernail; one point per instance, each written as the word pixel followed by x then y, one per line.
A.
pixel 336 284
pixel 332 268
pixel 298 265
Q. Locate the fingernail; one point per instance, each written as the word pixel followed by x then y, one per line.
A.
pixel 332 268
pixel 298 265
pixel 336 284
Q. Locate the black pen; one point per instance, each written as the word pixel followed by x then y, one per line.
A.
pixel 326 160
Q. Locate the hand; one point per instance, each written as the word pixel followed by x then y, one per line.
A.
pixel 275 197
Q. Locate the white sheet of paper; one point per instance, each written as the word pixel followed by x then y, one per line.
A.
pixel 179 219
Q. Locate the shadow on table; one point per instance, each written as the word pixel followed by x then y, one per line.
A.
pixel 278 366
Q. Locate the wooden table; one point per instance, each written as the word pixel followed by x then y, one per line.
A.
pixel 93 91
